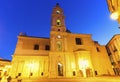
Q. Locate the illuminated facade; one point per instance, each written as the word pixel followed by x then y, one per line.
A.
pixel 114 8
pixel 113 48
pixel 64 54
pixel 5 66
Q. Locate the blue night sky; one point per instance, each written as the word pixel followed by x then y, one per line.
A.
pixel 34 16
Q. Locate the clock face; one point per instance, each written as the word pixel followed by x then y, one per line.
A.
pixel 58 12
pixel 59 36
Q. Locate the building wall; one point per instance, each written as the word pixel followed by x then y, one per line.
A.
pixel 113 48
pixel 27 60
pixel 67 54
pixel 82 59
pixel 25 46
pixel 78 55
pixel 101 61
pixel 5 66
pixel 30 66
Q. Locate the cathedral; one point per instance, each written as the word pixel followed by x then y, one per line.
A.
pixel 62 55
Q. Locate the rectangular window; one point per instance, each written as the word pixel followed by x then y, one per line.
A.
pixel 31 74
pixel 78 41
pixel 47 47
pixel 108 50
pixel 113 63
pixel 96 72
pixel 19 74
pixel 98 50
pixel 74 73
pixel 42 74
pixel 115 49
pixel 116 71
pixel 36 47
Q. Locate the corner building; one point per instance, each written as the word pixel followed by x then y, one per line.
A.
pixel 62 55
pixel 113 48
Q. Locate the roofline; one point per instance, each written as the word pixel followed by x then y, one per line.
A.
pixel 5 60
pixel 33 37
pixel 108 6
pixel 112 38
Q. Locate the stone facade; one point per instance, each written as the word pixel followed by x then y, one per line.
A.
pixel 64 54
pixel 113 48
pixel 5 66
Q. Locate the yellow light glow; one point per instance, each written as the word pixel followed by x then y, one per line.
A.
pixel 31 66
pixel 60 64
pixel 73 65
pixel 114 15
pixel 83 64
pixel 8 66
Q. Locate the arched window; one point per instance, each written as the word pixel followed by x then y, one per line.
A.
pixel 60 69
pixel 58 22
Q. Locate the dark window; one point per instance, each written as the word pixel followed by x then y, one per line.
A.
pixel 98 50
pixel 42 74
pixel 113 63
pixel 78 41
pixel 74 73
pixel 96 73
pixel 116 71
pixel 58 29
pixel 31 74
pixel 19 74
pixel 58 23
pixel 47 47
pixel 108 50
pixel 36 47
pixel 109 54
pixel 60 69
pixel 115 49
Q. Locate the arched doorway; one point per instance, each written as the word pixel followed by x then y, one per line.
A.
pixel 60 69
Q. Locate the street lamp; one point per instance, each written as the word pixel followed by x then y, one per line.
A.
pixel 114 8
pixel 114 15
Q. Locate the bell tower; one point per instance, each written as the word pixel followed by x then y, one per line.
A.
pixel 57 43
pixel 57 22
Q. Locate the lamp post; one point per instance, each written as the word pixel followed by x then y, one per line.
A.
pixel 114 8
